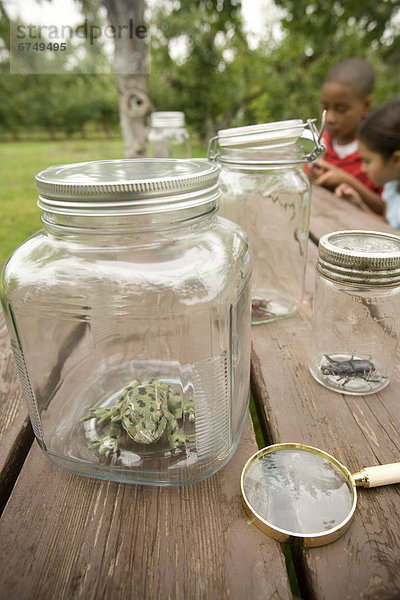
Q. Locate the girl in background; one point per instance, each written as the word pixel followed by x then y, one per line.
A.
pixel 379 147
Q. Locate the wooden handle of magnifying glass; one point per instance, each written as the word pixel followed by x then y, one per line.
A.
pixel 380 475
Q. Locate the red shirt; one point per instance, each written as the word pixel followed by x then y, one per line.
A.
pixel 350 163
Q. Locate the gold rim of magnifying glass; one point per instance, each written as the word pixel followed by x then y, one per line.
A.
pixel 281 535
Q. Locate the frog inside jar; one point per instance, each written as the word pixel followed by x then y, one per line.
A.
pixel 138 295
pixel 144 413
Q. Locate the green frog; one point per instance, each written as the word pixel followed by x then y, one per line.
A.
pixel 145 411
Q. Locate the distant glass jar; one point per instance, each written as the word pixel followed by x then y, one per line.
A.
pixel 168 137
pixel 129 318
pixel 265 190
pixel 356 311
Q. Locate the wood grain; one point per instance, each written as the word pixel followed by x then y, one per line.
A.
pixel 71 537
pixel 359 431
pixel 16 434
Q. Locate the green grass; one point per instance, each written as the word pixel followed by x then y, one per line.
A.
pixel 20 161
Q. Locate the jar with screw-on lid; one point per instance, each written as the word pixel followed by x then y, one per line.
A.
pixel 129 318
pixel 356 311
pixel 168 137
pixel 265 190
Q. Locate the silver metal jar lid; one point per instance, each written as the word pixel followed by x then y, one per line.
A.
pixel 366 258
pixel 127 186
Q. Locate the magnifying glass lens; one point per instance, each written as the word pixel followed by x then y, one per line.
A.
pixel 298 491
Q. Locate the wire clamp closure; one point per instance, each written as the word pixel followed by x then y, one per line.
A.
pixel 317 138
pixel 212 151
pixel 314 136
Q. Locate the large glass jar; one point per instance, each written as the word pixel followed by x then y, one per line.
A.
pixel 168 137
pixel 129 318
pixel 265 190
pixel 356 311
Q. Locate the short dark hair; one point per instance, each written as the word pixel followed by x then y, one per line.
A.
pixel 355 73
pixel 381 129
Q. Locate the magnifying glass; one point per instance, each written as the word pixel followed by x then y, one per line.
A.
pixel 301 495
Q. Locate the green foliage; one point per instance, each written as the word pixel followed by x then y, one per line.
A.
pixel 62 103
pixel 320 33
pixel 4 27
pixel 327 22
pixel 278 80
pixel 201 63
pixel 207 78
pixel 65 102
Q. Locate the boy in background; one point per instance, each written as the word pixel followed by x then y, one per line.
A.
pixel 347 98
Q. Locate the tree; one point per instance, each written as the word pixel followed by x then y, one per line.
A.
pixel 316 35
pixel 130 71
pixel 323 20
pixel 200 61
pixel 219 82
pixel 326 32
pixel 126 18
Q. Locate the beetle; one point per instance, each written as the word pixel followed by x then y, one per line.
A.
pixel 349 369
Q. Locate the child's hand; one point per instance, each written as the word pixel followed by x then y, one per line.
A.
pixel 331 176
pixel 347 192
pixel 315 170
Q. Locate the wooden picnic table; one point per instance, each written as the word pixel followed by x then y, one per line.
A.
pixel 67 537
pixel 359 431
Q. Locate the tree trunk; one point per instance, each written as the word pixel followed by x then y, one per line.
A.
pixel 130 70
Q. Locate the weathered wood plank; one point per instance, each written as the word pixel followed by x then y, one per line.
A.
pixel 16 434
pixel 69 537
pixel 329 213
pixel 359 431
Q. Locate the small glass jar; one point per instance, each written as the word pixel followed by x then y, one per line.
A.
pixel 129 317
pixel 356 311
pixel 265 190
pixel 168 137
